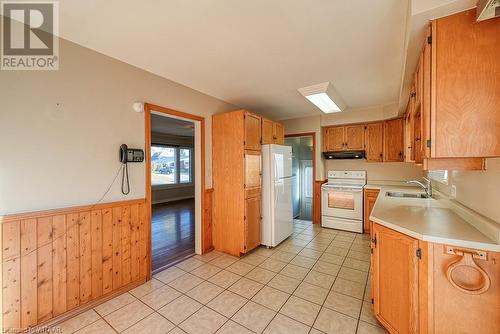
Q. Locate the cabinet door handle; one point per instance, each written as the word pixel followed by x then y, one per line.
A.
pixel 467 261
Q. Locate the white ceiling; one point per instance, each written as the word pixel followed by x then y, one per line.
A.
pixel 254 54
pixel 171 126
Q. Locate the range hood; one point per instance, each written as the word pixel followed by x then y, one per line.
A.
pixel 487 9
pixel 344 155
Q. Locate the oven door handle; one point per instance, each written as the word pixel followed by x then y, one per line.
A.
pixel 353 190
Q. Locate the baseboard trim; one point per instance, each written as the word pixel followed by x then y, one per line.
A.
pixel 85 307
pixel 173 263
pixel 172 200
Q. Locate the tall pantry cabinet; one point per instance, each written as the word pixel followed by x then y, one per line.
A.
pixel 236 165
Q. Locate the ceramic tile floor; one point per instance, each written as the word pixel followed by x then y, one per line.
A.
pixel 314 282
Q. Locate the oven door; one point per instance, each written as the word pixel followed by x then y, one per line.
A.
pixel 342 202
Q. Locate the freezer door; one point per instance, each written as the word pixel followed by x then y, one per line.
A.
pixel 282 161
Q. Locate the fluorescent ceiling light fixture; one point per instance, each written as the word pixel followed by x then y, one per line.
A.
pixel 321 95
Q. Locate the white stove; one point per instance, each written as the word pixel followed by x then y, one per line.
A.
pixel 342 200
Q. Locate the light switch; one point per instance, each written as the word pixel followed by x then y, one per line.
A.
pixel 453 192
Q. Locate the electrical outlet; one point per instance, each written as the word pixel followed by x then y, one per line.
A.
pixel 453 191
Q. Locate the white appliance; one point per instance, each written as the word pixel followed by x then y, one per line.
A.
pixel 342 200
pixel 277 212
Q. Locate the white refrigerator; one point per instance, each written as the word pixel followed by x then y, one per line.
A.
pixel 277 212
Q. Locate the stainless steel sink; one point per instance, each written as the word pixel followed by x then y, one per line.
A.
pixel 407 195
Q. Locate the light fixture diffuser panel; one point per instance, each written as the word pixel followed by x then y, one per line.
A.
pixel 318 95
pixel 323 102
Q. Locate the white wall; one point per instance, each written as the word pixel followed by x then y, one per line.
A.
pixel 478 190
pixel 60 130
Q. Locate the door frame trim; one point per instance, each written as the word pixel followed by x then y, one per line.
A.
pixel 313 135
pixel 148 108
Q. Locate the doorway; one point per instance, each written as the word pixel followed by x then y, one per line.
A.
pixel 172 190
pixel 174 185
pixel 303 175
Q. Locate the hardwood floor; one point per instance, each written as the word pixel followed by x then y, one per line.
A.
pixel 172 232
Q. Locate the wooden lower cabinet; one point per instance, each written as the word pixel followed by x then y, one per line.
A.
pixel 412 292
pixel 253 218
pixel 370 197
pixel 395 280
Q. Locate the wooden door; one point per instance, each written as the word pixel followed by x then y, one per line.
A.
pixel 465 86
pixel 374 142
pixel 354 137
pixel 370 198
pixel 334 138
pixel 395 280
pixel 252 132
pixel 278 133
pixel 267 131
pixel 393 140
pixel 252 223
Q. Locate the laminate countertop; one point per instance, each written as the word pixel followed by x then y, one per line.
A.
pixel 438 220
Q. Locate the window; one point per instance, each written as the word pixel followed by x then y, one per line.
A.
pixel 440 176
pixel 308 191
pixel 170 165
pixel 185 165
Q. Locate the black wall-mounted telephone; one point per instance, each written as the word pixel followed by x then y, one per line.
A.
pixel 128 155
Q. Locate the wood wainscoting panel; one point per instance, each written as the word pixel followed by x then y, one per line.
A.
pixel 61 260
pixel 317 201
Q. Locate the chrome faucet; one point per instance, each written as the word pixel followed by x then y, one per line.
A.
pixel 427 186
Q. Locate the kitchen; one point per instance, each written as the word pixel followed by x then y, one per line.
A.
pixel 380 176
pixel 393 225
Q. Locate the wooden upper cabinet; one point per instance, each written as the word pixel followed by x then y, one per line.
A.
pixel 395 280
pixel 393 140
pixel 267 131
pixel 334 138
pixel 343 138
pixel 278 133
pixel 374 142
pixel 465 77
pixel 354 137
pixel 252 131
pixel 418 149
pixel 252 223
pixel 425 110
pixel 272 132
pixel 409 155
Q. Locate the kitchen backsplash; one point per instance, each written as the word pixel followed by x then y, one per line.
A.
pixel 478 190
pixel 378 171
